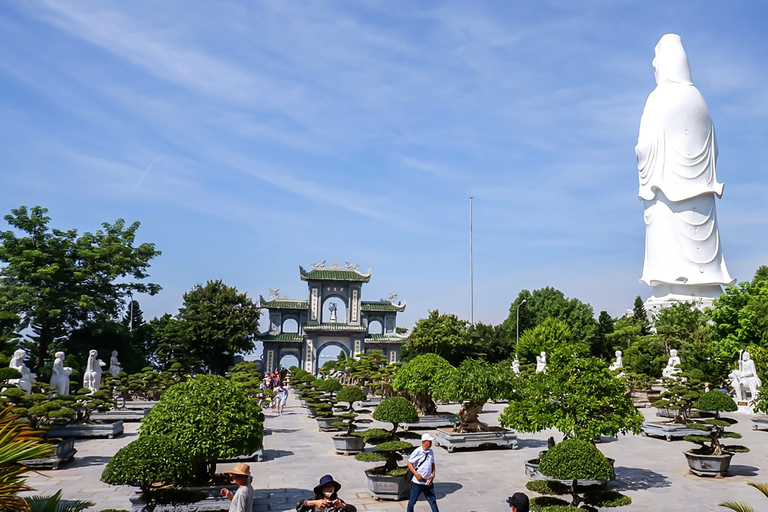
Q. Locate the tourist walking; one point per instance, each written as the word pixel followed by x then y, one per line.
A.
pixel 422 464
pixel 326 498
pixel 242 500
pixel 280 399
pixel 518 502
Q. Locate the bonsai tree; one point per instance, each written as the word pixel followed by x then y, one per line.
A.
pixel 150 460
pixel 417 379
pixel 473 383
pixel 680 395
pixel 717 402
pixel 578 395
pixel 247 379
pixel 575 459
pixel 350 395
pixel 210 418
pixel 389 449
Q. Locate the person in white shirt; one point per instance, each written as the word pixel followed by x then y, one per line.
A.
pixel 422 464
pixel 242 500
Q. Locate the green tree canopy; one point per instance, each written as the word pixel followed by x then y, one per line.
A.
pixel 547 337
pixel 218 322
pixel 549 302
pixel 57 281
pixel 445 335
pixel 418 378
pixel 578 396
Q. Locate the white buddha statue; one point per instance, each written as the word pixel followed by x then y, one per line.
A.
pixel 541 363
pixel 745 378
pixel 61 373
pixel 516 366
pixel 673 365
pixel 618 364
pixel 27 377
pixel 676 155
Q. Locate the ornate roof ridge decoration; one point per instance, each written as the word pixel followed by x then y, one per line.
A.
pixel 390 337
pixel 283 303
pixel 320 272
pixel 379 305
pixel 335 327
pixel 285 336
pixel 274 294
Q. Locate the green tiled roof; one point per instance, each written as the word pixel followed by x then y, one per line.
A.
pixel 286 336
pixel 283 303
pixel 381 306
pixel 335 327
pixel 385 338
pixel 334 274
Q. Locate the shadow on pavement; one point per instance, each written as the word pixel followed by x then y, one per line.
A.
pixel 276 454
pixel 280 498
pixel 739 470
pixel 443 489
pixel 638 479
pixel 81 462
pixel 284 430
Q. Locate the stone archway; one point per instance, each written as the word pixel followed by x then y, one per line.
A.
pixel 343 345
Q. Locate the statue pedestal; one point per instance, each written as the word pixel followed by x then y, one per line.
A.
pixel 665 296
pixel 745 407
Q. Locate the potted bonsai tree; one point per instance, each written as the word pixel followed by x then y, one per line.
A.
pixel 417 379
pixel 350 442
pixel 389 481
pixel 578 395
pixel 573 461
pixel 159 466
pixel 211 418
pixel 324 411
pixel 472 384
pixel 712 458
pixel 679 397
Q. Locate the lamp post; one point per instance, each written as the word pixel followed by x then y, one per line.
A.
pixel 517 323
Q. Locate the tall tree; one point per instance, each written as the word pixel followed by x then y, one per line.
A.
pixel 603 344
pixel 549 302
pixel 640 316
pixel 442 334
pixel 58 281
pixel 219 322
pixel 491 342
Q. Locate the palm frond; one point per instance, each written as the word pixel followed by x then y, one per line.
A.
pixel 738 506
pixel 763 488
pixel 56 504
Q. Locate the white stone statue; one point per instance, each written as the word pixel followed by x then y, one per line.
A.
pixel 114 364
pixel 676 155
pixel 332 309
pixel 27 377
pixel 61 373
pixel 541 363
pixel 745 378
pixel 618 364
pixel 516 366
pixel 673 365
pixel 92 376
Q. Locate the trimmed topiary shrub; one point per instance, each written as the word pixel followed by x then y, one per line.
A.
pixel 541 503
pixel 210 418
pixel 575 459
pixel 150 460
pixel 389 449
pixel 350 395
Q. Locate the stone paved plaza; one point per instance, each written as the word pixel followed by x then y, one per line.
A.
pixel 652 471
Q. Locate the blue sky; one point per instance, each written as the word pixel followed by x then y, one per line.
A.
pixel 252 137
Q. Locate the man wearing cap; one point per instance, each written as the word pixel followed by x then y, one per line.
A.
pixel 242 500
pixel 422 464
pixel 518 502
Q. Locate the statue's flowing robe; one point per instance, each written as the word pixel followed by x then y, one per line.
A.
pixel 676 155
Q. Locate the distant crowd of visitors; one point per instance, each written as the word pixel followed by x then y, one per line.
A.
pixel 276 382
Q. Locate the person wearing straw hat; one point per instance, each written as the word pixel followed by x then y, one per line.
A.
pixel 326 498
pixel 242 500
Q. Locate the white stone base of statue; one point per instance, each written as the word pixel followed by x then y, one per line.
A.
pixel 745 407
pixel 665 295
